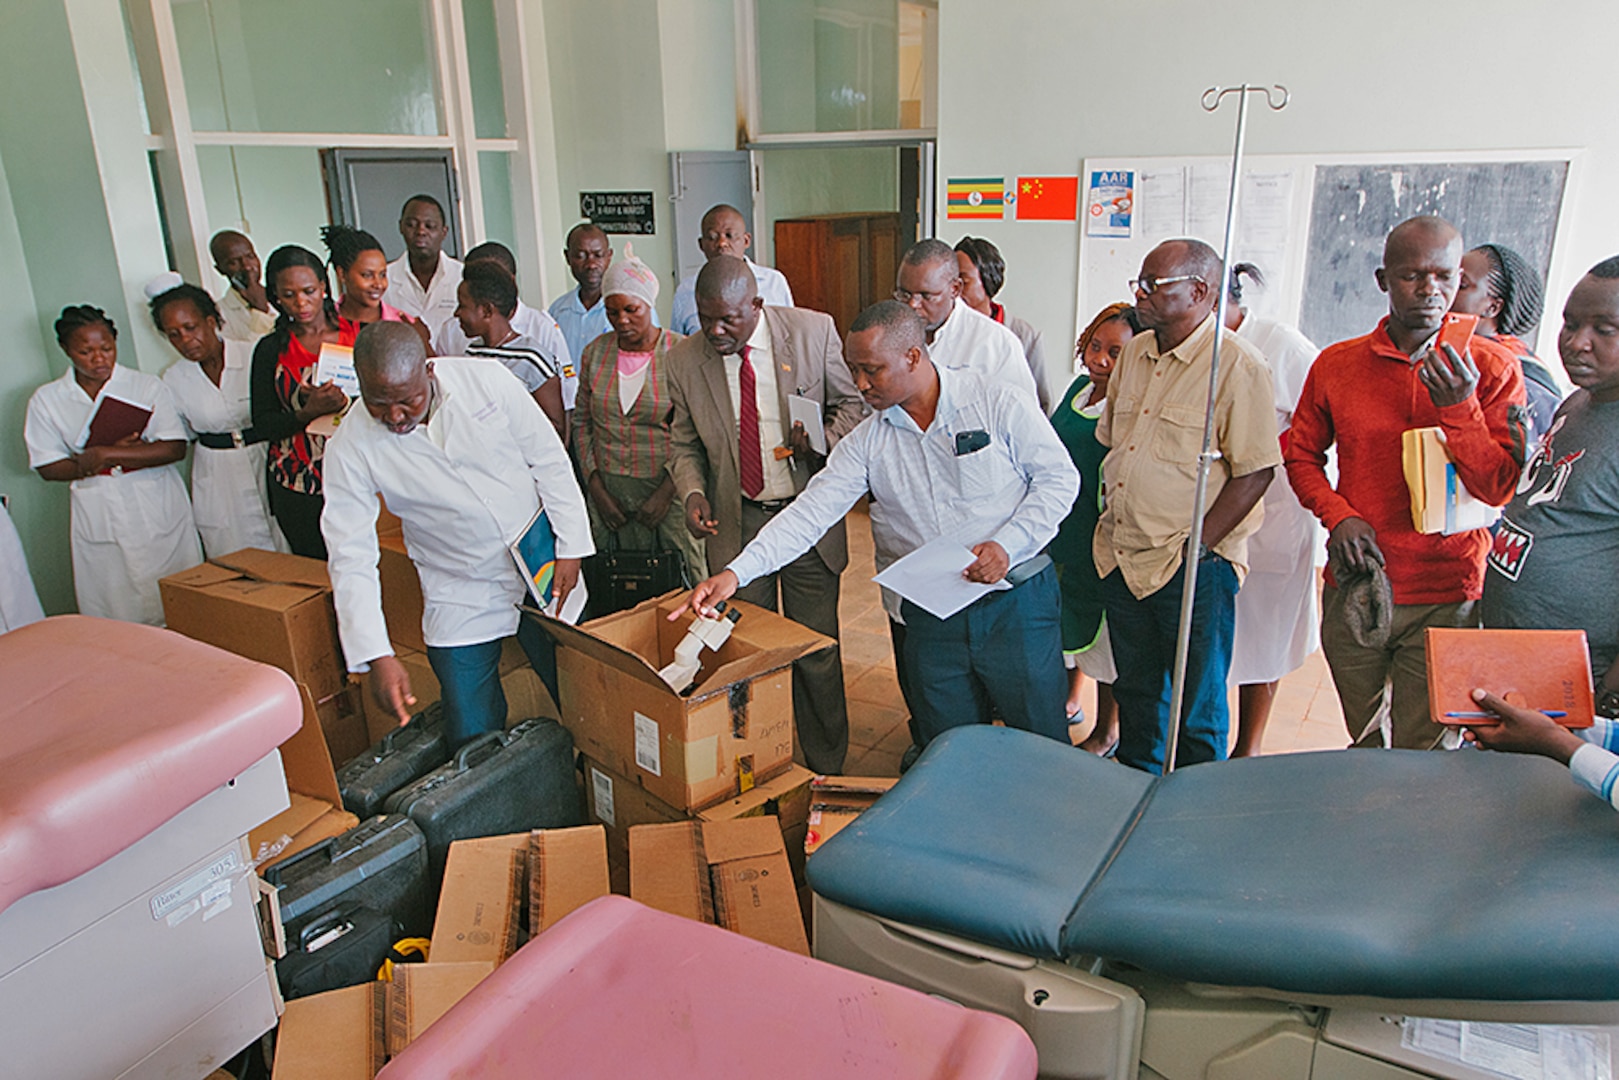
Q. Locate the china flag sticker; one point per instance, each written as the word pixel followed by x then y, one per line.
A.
pixel 1047 198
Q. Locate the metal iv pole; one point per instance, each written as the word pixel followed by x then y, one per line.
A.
pixel 1276 98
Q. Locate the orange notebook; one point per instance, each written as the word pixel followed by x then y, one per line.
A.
pixel 1545 670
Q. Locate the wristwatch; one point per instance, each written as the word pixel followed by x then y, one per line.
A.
pixel 1607 702
pixel 116 470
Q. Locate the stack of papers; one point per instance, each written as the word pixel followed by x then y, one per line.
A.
pixel 930 577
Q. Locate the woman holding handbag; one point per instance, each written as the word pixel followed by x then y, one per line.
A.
pixel 621 425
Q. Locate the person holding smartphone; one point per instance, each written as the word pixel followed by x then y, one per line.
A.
pixel 1362 395
pixel 245 311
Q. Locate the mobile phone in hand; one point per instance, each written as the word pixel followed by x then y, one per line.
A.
pixel 1456 332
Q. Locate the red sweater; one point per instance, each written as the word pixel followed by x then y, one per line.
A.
pixel 1362 394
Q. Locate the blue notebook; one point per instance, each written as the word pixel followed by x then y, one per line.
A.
pixel 535 551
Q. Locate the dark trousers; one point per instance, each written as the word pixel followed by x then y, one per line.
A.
pixel 896 634
pixel 1144 632
pixel 1003 651
pixel 809 596
pixel 299 517
pixel 469 681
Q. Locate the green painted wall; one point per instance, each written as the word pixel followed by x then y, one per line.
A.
pixel 39 509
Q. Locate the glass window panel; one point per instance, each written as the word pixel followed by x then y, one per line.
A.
pixel 495 173
pixel 293 65
pixel 483 64
pixel 798 183
pixel 272 193
pixel 828 65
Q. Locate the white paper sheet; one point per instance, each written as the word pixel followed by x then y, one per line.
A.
pixel 930 577
pixel 1520 1051
pixel 804 411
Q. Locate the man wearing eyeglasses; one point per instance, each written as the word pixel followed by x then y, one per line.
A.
pixel 959 338
pixel 1153 426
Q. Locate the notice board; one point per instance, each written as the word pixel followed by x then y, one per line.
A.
pixel 1315 224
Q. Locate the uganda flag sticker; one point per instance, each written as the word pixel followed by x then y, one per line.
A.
pixel 982 197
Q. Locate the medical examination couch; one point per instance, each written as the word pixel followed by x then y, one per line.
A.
pixel 1276 918
pixel 133 763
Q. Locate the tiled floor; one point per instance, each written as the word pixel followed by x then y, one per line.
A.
pixel 1306 716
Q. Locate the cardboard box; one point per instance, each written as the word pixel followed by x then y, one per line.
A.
pixel 421 993
pixel 835 801
pixel 331 1036
pixel 423 684
pixel 733 874
pixel 481 903
pixel 401 593
pixel 316 811
pixel 690 751
pixel 567 869
pixel 343 722
pixel 619 803
pixel 348 1034
pixel 266 606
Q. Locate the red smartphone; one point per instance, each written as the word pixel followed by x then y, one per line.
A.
pixel 1456 332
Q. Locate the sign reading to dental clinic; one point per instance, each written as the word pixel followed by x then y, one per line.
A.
pixel 619 211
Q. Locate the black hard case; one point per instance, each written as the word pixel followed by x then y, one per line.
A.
pixel 380 863
pixel 501 782
pixel 313 965
pixel 404 754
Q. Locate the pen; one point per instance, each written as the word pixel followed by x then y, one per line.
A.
pixel 1555 714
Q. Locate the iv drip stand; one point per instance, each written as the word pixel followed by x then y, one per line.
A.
pixel 1276 98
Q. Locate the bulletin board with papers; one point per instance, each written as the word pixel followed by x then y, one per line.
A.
pixel 1315 224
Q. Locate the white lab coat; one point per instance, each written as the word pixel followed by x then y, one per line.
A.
pixel 229 499
pixel 19 603
pixel 1276 621
pixel 128 531
pixel 970 341
pixel 464 484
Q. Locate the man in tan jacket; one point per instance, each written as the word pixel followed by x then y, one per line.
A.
pixel 738 459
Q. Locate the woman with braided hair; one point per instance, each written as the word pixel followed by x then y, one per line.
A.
pixel 131 519
pixel 362 278
pixel 1504 291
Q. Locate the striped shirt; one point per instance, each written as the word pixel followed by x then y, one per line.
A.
pixel 1595 765
pixel 523 357
pixel 608 439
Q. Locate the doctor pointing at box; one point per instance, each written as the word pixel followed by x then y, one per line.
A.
pixel 465 457
pixel 948 459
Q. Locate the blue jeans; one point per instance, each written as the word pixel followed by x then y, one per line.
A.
pixel 469 681
pixel 1004 649
pixel 1143 632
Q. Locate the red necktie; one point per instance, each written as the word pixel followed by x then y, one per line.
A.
pixel 750 459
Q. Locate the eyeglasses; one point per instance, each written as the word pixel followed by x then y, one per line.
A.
pixel 905 296
pixel 1146 286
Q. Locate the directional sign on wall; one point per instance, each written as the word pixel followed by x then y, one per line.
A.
pixel 619 211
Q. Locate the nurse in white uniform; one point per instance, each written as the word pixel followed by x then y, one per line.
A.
pixel 210 387
pixel 131 518
pixel 1277 626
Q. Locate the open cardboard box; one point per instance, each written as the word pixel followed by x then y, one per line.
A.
pixel 317 810
pixel 691 750
pixel 491 882
pixel 620 803
pixel 835 801
pixel 732 874
pixel 348 1034
pixel 265 605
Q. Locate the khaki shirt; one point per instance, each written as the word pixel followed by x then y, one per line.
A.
pixel 241 320
pixel 1154 425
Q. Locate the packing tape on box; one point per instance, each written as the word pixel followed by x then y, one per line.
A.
pixel 702 759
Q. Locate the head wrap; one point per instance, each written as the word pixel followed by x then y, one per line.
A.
pixel 629 276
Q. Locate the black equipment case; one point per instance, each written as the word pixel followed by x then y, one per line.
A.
pixel 404 754
pixel 343 947
pixel 380 864
pixel 500 782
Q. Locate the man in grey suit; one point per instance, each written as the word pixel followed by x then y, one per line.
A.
pixel 724 401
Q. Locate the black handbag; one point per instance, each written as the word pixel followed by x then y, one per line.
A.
pixel 619 579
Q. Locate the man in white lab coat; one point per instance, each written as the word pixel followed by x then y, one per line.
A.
pixel 465 458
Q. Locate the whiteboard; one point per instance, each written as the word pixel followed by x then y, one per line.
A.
pixel 1187 196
